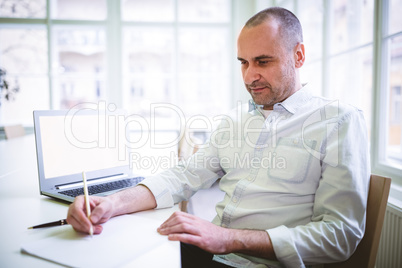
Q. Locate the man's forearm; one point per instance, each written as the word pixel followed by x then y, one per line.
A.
pixel 252 242
pixel 132 200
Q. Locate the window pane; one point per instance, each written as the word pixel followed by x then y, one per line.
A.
pixel 395 18
pixel 394 148
pixel 78 66
pixel 203 94
pixel 288 4
pixel 23 8
pixel 204 50
pixel 148 67
pixel 311 19
pixel 79 9
pixel 148 50
pixel 312 75
pixel 353 85
pixel 33 95
pixel 204 11
pixel 23 51
pixel 23 54
pixel 150 10
pixel 351 24
pixel 70 90
pixel 204 70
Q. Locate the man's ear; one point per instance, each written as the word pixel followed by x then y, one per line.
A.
pixel 299 55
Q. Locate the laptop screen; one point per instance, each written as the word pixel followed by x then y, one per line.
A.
pixel 71 144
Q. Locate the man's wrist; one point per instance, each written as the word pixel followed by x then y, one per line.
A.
pixel 251 242
pixel 132 200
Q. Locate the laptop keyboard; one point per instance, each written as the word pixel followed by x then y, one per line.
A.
pixel 104 187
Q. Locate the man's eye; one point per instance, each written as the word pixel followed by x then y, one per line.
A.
pixel 243 62
pixel 262 62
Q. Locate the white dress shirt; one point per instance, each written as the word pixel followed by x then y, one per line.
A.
pixel 302 174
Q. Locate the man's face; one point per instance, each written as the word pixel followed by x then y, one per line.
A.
pixel 267 66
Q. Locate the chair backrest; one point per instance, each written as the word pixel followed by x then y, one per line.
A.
pixel 366 252
pixel 14 131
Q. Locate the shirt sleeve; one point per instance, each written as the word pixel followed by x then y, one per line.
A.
pixel 339 211
pixel 181 182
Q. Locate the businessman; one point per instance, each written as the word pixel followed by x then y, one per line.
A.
pixel 294 168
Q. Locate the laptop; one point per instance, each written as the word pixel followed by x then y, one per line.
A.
pixel 69 142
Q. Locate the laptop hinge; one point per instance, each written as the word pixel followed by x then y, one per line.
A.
pixel 91 181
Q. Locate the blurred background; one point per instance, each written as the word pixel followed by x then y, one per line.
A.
pixel 55 54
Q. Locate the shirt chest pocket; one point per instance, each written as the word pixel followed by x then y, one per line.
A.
pixel 296 160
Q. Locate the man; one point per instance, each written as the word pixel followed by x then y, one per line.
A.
pixel 294 169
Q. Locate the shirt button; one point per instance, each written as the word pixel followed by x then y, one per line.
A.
pixel 235 199
pixel 250 179
pixel 295 141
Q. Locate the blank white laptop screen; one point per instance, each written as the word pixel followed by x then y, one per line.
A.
pixel 70 142
pixel 73 145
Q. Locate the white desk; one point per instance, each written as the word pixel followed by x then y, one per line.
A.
pixel 22 206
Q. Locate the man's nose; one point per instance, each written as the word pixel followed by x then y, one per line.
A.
pixel 251 74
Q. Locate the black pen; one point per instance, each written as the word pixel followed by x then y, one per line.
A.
pixel 50 224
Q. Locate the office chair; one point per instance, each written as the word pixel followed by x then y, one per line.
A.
pixel 366 252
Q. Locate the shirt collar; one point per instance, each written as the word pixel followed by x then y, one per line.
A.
pixel 291 104
pixel 253 106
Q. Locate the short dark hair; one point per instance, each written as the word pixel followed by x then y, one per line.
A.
pixel 290 27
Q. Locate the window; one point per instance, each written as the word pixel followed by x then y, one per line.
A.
pixel 23 9
pixel 348 42
pixel 390 50
pixel 396 105
pixel 351 44
pixel 311 18
pixel 185 63
pixel 24 56
pixel 130 52
pixel 78 9
pixel 78 64
pixel 148 11
pixel 345 60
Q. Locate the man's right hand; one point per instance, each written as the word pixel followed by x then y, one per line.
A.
pixel 101 212
pixel 103 208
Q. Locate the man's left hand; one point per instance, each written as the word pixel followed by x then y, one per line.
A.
pixel 193 230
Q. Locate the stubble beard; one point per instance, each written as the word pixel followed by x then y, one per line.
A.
pixel 275 94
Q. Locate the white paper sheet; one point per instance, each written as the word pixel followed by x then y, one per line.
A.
pixel 123 239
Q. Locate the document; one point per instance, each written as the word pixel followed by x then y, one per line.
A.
pixel 123 239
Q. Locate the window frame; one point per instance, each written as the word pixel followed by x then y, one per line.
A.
pixel 380 88
pixel 381 94
pixel 113 26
